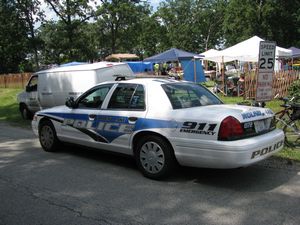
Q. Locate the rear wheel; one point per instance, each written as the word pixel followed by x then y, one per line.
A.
pixel 47 136
pixel 155 157
pixel 292 134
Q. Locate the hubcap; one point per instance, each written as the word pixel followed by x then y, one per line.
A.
pixel 152 157
pixel 47 137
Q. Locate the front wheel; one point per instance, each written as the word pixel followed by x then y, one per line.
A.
pixel 47 136
pixel 26 114
pixel 155 157
pixel 292 134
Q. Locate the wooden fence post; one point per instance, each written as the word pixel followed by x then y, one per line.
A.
pixel 4 81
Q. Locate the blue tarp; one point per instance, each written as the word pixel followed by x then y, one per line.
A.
pixel 188 61
pixel 72 64
pixel 172 54
pixel 295 51
pixel 188 70
pixel 140 67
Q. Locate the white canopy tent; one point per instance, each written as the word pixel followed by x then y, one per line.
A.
pixel 247 51
pixel 210 52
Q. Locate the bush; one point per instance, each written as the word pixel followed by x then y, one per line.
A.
pixel 294 90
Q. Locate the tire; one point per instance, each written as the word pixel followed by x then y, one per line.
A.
pixel 47 136
pixel 292 134
pixel 25 113
pixel 155 157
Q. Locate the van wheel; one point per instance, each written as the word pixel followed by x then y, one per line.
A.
pixel 26 114
pixel 155 157
pixel 47 136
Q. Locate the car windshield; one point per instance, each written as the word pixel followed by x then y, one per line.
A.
pixel 187 95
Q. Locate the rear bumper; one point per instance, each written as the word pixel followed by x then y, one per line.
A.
pixel 227 154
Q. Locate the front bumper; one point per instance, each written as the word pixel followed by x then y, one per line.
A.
pixel 34 126
pixel 227 154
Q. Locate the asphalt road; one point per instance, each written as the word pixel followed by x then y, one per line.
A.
pixel 80 186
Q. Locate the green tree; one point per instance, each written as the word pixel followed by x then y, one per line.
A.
pixel 178 17
pixel 29 11
pixel 276 20
pixel 152 39
pixel 55 39
pixel 13 38
pixel 192 25
pixel 119 24
pixel 72 14
pixel 53 36
pixel 209 18
pixel 282 22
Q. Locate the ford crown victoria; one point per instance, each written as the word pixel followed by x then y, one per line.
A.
pixel 162 123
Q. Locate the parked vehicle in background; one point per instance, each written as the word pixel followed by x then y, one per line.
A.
pixel 52 87
pixel 162 123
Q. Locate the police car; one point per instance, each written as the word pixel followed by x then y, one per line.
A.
pixel 162 123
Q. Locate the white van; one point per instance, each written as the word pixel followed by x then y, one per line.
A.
pixel 52 87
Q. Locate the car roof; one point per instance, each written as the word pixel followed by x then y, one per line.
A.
pixel 158 81
pixel 143 81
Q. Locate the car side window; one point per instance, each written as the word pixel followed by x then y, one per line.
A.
pixel 128 96
pixel 94 98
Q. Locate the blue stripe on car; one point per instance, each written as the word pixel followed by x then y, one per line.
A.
pixel 140 124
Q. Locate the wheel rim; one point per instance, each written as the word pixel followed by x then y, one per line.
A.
pixel 152 157
pixel 47 137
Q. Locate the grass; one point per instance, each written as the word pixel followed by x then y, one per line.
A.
pixel 9 112
pixel 9 108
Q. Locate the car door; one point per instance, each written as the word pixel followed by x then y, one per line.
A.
pixel 123 114
pixel 32 100
pixel 80 123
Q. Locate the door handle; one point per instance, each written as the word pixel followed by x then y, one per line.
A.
pixel 132 119
pixel 92 116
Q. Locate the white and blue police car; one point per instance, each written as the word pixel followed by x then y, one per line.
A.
pixel 161 123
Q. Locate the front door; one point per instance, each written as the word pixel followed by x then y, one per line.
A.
pixel 106 117
pixel 32 100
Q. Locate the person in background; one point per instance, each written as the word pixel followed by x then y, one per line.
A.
pixel 164 68
pixel 156 69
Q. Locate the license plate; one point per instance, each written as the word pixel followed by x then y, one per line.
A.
pixel 262 125
pixel 259 126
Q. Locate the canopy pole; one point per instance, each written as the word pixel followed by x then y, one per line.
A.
pixel 223 75
pixel 195 75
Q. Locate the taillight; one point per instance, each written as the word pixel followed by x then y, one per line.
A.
pixel 230 129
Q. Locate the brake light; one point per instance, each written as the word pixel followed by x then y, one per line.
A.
pixel 230 129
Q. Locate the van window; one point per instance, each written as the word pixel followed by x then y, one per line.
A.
pixel 32 84
pixel 128 96
pixel 94 98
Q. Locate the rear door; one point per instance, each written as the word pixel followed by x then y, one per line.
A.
pixel 123 114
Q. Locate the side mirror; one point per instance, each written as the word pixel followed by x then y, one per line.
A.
pixel 28 89
pixel 71 103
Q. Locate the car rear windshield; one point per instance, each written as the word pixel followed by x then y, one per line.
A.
pixel 187 95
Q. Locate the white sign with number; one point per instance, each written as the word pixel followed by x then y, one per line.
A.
pixel 266 60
